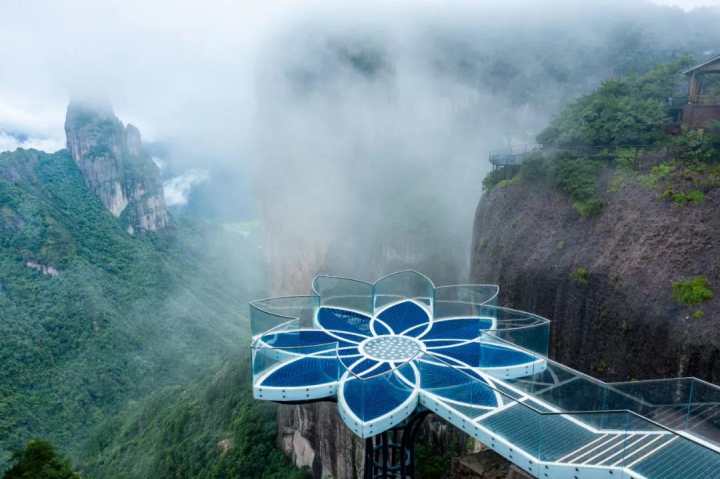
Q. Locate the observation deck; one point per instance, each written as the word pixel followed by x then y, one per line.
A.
pixel 390 350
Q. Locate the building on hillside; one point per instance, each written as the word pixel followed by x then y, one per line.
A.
pixel 703 106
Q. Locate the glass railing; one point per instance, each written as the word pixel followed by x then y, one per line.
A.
pixel 344 293
pixel 289 371
pixel 463 299
pixel 528 331
pixel 282 313
pixel 527 429
pixel 686 405
pixel 683 404
pixel 403 285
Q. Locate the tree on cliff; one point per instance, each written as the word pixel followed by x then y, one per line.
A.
pixel 631 110
pixel 39 460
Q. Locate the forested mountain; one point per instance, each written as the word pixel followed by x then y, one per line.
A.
pixel 210 429
pixel 92 316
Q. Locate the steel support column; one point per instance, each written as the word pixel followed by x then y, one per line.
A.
pixel 391 454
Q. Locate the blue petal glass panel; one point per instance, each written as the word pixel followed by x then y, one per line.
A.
pixel 403 316
pixel 303 372
pixel 486 355
pixel 376 396
pixel 463 328
pixel 344 320
pixel 295 339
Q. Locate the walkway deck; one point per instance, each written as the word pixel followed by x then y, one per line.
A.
pixel 556 445
pixel 388 348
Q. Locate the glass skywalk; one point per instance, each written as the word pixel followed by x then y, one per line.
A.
pixel 388 349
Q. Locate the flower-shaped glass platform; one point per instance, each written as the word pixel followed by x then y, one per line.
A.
pixel 384 348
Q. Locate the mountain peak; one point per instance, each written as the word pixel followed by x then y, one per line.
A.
pixel 115 165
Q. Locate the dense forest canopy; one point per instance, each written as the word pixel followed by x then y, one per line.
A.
pixel 628 111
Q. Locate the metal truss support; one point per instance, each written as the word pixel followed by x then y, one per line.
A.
pixel 391 454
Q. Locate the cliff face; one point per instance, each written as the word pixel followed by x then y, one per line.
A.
pixel 115 166
pixel 313 436
pixel 606 282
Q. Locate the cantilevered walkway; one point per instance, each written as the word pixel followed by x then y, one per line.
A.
pixel 389 350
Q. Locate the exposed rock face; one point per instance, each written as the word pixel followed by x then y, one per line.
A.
pixel 485 464
pixel 43 268
pixel 115 166
pixel 313 436
pixel 618 320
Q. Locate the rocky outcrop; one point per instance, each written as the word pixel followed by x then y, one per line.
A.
pixel 115 166
pixel 45 269
pixel 485 464
pixel 313 436
pixel 606 282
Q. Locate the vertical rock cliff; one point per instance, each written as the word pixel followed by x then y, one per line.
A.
pixel 606 282
pixel 115 166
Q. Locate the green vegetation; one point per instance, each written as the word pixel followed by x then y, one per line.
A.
pixel 574 175
pixel 627 111
pixel 581 275
pixel 433 460
pixel 123 317
pixel 607 126
pixel 613 129
pixel 212 429
pixel 656 174
pixel 578 177
pixel 698 314
pixel 500 177
pixel 692 291
pixel 680 198
pixel 696 146
pixel 39 461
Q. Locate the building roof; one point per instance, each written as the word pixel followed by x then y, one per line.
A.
pixel 702 65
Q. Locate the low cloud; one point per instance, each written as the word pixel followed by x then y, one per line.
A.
pixel 10 142
pixel 366 126
pixel 177 190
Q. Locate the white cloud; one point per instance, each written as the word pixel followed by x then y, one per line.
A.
pixel 267 88
pixel 158 162
pixel 11 143
pixel 177 190
pixel 689 4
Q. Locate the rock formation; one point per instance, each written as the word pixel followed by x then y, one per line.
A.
pixel 115 166
pixel 607 282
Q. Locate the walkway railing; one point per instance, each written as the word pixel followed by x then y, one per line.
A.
pixel 548 441
pixel 498 384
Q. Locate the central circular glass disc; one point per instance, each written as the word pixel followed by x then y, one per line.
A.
pixel 391 348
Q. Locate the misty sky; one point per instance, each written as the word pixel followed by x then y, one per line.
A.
pixel 164 64
pixel 689 4
pixel 363 128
